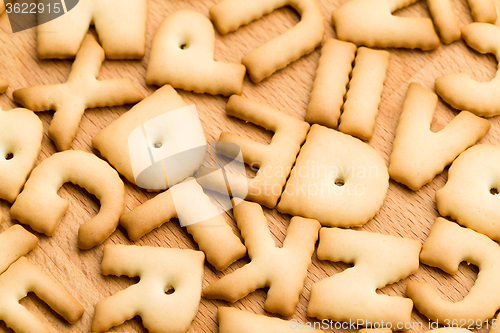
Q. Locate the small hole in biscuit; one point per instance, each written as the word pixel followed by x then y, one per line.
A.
pixel 9 156
pixel 339 182
pixel 494 191
pixel 157 145
pixel 183 46
pixel 170 291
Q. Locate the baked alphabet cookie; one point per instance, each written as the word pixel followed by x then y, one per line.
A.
pixel 274 160
pixel 80 92
pixel 121 27
pixel 418 154
pixel 330 82
pixel 23 277
pixel 446 247
pixel 371 23
pixel 460 90
pixel 182 55
pixel 444 19
pixel 21 134
pixel 167 295
pixel 42 209
pixel 302 39
pixel 365 91
pixel 470 195
pixel 15 242
pixel 161 120
pixel 337 179
pixel 197 213
pixel 378 260
pixel 232 320
pixel 283 270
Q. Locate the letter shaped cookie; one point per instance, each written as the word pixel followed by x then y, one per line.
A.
pixel 274 160
pixel 42 209
pixel 80 92
pixel 446 247
pixel 229 15
pixel 232 320
pixel 197 213
pixel 174 133
pixel 371 23
pixel 464 93
pixel 15 242
pixel 283 270
pixel 418 154
pixel 351 295
pixel 446 22
pixel 337 179
pixel 23 277
pixel 21 134
pixel 470 195
pixel 182 56
pixel 121 26
pixel 160 270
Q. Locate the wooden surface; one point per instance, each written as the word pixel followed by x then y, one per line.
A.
pixel 405 213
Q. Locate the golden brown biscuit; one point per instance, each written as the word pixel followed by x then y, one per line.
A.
pixel 23 277
pixel 274 160
pixel 42 209
pixel 177 131
pixel 21 134
pixel 378 260
pixel 418 154
pixel 196 212
pixel 80 92
pixel 470 195
pixel 444 20
pixel 364 95
pixel 330 81
pixel 337 179
pixel 15 242
pixel 121 27
pixel 182 55
pixel 283 270
pixel 160 270
pixel 302 39
pixel 232 320
pixel 446 247
pixel 464 93
pixel 371 23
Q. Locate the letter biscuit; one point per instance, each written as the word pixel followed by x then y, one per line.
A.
pixel 23 277
pixel 232 320
pixel 160 271
pixel 371 23
pixel 446 247
pixel 351 295
pixel 19 149
pixel 182 56
pixel 42 209
pixel 80 92
pixel 283 270
pixel 195 211
pixel 121 26
pixel 337 179
pixel 229 15
pixel 418 154
pixel 15 242
pixel 274 160
pixel 464 93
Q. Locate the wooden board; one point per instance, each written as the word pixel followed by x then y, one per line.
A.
pixel 405 213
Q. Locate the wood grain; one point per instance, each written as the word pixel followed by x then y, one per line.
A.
pixel 405 213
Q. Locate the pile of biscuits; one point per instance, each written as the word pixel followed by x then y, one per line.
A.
pixel 328 172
